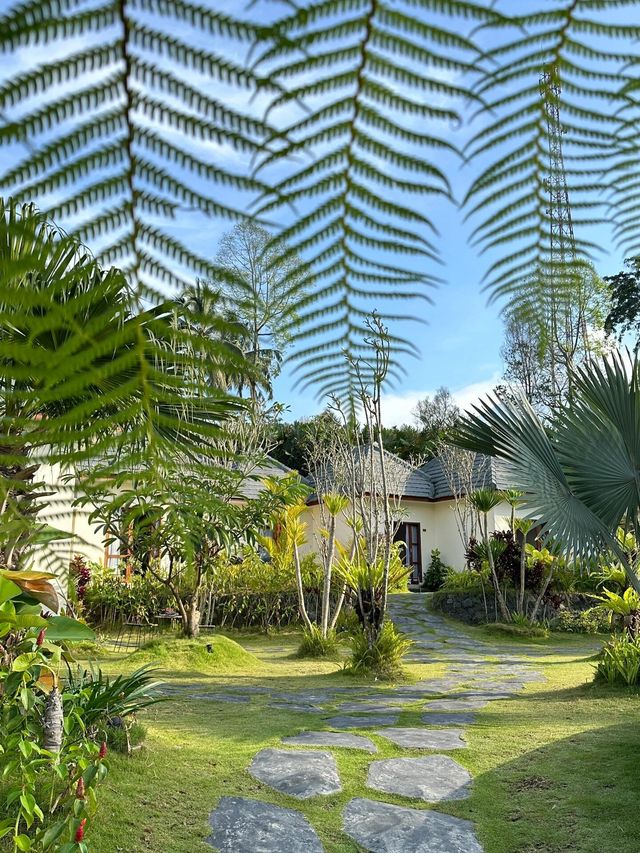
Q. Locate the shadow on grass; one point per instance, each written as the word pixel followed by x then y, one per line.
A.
pixel 577 793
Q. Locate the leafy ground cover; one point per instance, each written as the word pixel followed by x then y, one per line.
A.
pixel 554 768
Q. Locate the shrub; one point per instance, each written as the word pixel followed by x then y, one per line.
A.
pixel 620 661
pixel 436 573
pixel 348 622
pixel 468 579
pixel 384 658
pixel 314 645
pixel 580 622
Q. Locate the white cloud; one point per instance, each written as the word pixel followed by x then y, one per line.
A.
pixel 397 409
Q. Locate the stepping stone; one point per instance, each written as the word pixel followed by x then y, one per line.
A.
pixel 383 828
pixel 364 707
pixel 220 697
pixel 459 718
pixel 341 739
pixel 432 779
pixel 425 738
pixel 456 704
pixel 368 721
pixel 250 826
pixel 297 773
pixel 293 706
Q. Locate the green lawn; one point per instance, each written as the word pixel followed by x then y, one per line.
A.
pixel 555 769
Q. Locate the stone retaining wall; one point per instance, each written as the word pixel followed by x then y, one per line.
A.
pixel 471 607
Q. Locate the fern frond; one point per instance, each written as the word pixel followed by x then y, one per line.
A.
pixel 378 88
pixel 121 122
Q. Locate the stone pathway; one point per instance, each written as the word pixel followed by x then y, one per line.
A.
pixel 305 767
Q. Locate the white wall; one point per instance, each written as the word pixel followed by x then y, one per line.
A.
pixel 86 539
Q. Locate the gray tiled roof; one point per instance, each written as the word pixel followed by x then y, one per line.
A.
pixel 488 472
pixel 403 479
pixel 253 485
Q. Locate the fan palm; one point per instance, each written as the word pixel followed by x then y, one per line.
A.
pixel 580 473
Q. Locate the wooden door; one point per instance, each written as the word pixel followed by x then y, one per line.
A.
pixel 409 533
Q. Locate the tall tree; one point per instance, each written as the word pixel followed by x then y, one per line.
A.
pixel 437 415
pixel 624 313
pixel 260 284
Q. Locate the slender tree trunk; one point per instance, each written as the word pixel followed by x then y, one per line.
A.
pixel 301 605
pixel 326 590
pixel 504 610
pixel 523 561
pixel 545 587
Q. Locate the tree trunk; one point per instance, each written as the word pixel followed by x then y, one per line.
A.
pixel 301 605
pixel 191 620
pixel 545 587
pixel 504 610
pixel 326 590
pixel 53 722
pixel 523 561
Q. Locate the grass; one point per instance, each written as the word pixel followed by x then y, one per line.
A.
pixel 555 769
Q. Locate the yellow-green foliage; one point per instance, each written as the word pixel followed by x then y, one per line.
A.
pixel 225 655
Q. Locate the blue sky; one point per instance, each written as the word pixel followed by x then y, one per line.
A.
pixel 460 335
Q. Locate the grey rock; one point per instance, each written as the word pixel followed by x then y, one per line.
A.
pixel 362 721
pixel 425 738
pixel 340 739
pixel 383 828
pixel 456 704
pixel 295 772
pixel 250 826
pixel 433 778
pixel 460 718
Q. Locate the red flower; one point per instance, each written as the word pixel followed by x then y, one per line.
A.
pixel 103 749
pixel 40 639
pixel 80 830
pixel 80 789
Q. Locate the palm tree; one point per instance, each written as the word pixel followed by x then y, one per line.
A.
pixel 524 527
pixel 579 473
pixel 483 501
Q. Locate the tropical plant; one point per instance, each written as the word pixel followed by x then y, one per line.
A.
pixel 624 608
pixel 48 776
pixel 179 528
pixel 484 501
pixel 523 526
pixel 620 661
pixel 436 572
pixel 383 657
pixel 317 644
pixel 579 474
pixel 366 582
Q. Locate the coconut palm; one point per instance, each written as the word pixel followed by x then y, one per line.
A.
pixel 579 473
pixel 483 501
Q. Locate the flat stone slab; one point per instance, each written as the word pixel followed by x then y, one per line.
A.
pixel 456 704
pixel 432 779
pixel 297 706
pixel 362 721
pixel 425 738
pixel 341 739
pixel 250 826
pixel 297 773
pixel 442 718
pixel 383 828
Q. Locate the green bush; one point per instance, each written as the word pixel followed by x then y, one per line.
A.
pixel 436 573
pixel 348 622
pixel 581 622
pixel 384 658
pixel 522 628
pixel 620 661
pixel 314 645
pixel 468 579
